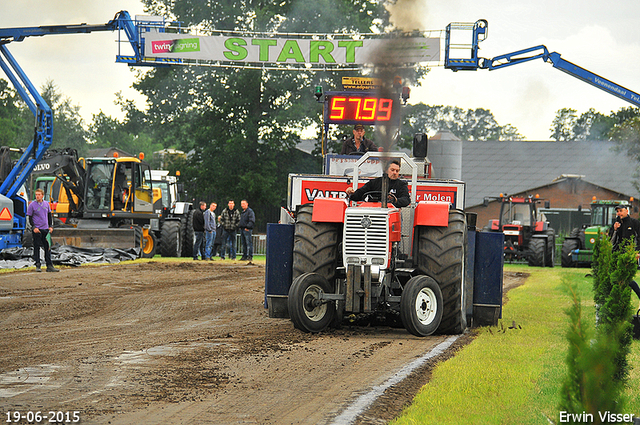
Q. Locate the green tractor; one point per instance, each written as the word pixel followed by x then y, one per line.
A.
pixel 577 248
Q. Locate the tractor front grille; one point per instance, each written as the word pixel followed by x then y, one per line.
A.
pixel 366 234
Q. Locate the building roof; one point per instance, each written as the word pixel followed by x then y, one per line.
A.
pixel 491 168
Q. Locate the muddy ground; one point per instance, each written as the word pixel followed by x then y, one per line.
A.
pixel 188 343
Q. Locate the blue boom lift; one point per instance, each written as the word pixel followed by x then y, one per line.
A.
pixel 457 42
pixel 13 201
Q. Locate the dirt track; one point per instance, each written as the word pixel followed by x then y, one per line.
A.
pixel 186 343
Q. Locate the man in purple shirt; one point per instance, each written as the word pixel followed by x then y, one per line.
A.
pixel 39 213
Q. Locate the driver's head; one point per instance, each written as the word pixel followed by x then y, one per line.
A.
pixel 393 171
pixel 358 131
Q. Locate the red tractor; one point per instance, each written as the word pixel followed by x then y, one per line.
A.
pixel 373 258
pixel 526 234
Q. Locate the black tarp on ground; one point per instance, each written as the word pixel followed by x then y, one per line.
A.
pixel 16 258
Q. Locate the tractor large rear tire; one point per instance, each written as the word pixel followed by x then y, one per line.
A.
pixel 306 314
pixel 421 306
pixel 568 246
pixel 315 246
pixel 550 253
pixel 188 234
pixel 315 250
pixel 441 255
pixel 536 255
pixel 171 235
pixel 578 232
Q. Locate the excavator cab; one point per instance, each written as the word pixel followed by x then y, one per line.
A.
pixel 118 185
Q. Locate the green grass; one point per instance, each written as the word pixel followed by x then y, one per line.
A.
pixel 513 376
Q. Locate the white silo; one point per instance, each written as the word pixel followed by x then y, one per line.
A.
pixel 445 153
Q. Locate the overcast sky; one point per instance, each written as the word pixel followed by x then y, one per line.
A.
pixel 605 39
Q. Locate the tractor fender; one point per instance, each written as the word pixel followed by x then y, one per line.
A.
pixel 540 236
pixel 329 210
pixel 432 213
pixel 541 226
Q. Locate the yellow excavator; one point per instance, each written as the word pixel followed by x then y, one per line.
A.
pixel 106 202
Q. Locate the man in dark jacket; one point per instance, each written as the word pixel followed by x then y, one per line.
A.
pixel 625 228
pixel 398 189
pixel 358 143
pixel 247 221
pixel 198 230
pixel 230 218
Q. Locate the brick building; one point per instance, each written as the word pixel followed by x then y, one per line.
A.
pixel 568 174
pixel 567 192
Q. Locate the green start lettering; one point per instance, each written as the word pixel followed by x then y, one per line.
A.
pixel 322 48
pixel 264 47
pixel 318 50
pixel 350 46
pixel 237 52
pixel 291 50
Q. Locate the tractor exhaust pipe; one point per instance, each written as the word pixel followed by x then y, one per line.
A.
pixel 385 189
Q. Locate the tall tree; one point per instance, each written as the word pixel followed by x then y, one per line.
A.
pixel 68 126
pixel 592 125
pixel 562 128
pixel 16 121
pixel 627 137
pixel 471 124
pixel 240 126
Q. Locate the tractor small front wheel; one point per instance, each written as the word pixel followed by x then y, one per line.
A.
pixel 307 311
pixel 421 306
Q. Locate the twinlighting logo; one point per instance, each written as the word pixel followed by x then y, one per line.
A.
pixel 180 45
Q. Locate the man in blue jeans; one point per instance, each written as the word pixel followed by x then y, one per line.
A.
pixel 41 220
pixel 198 230
pixel 209 229
pixel 230 218
pixel 247 221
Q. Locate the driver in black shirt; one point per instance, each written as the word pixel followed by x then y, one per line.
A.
pixel 398 189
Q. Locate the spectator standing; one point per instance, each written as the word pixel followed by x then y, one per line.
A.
pixel 217 241
pixel 198 230
pixel 625 229
pixel 247 222
pixel 230 219
pixel 358 143
pixel 41 219
pixel 209 229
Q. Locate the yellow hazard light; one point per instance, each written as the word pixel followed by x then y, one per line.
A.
pixel 5 214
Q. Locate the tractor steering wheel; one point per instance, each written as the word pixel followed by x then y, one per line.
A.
pixel 376 196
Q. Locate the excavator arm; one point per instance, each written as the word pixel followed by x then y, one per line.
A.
pixel 13 203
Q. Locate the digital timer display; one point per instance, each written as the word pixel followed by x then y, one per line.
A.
pixel 358 109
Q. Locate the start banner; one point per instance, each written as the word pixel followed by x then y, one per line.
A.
pixel 309 52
